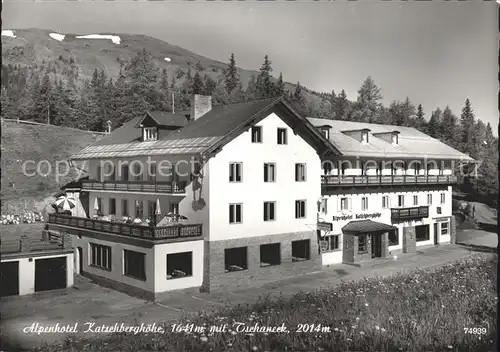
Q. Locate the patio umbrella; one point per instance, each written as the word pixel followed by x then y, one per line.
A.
pixel 66 203
pixel 182 217
pixel 96 204
pixel 158 209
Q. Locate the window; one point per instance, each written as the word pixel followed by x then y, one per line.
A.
pixel 422 233
pixel 364 137
pixel 343 168
pixel 174 208
pixel 269 211
pixel 439 210
pixel 100 256
pixel 393 238
pixel 137 171
pixel 139 210
pixel 235 172
pixel 99 205
pixel 385 202
pixel 344 203
pixel 111 172
pixel 429 199
pixel 300 172
pixel 235 259
pixel 150 134
pixel 300 209
pixel 282 137
pixel 152 172
pixel 269 172
pixel 134 264
pixel 443 198
pixel 332 243
pixel 394 139
pixel 323 206
pixel 418 167
pixel 401 201
pixel 235 213
pixel 362 247
pixel 270 254
pixel 179 265
pixel 301 250
pixel 124 175
pixel 444 228
pixel 364 203
pixel 327 167
pixel 257 134
pixel 415 200
pixel 112 206
pixel 151 208
pixel 125 207
pixel 99 173
pixel 326 133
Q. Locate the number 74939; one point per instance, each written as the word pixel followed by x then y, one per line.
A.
pixel 475 331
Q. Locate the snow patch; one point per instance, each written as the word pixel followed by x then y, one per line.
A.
pixel 57 36
pixel 8 33
pixel 114 38
pixel 168 59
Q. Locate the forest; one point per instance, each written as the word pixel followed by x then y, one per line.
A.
pixel 53 92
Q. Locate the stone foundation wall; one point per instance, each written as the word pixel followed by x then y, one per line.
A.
pixel 215 277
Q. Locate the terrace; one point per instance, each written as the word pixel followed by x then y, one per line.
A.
pixel 135 186
pixel 389 180
pixel 172 231
pixel 405 214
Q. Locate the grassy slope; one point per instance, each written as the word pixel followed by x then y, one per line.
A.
pixel 21 143
pixel 422 311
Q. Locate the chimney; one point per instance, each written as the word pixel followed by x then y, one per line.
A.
pixel 200 105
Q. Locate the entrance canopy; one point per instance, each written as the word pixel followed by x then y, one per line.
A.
pixel 361 227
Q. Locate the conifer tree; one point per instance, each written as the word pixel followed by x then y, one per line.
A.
pixel 231 75
pixel 264 85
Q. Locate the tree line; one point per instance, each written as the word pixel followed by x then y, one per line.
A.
pixel 47 93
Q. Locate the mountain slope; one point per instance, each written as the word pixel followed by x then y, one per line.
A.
pixel 36 47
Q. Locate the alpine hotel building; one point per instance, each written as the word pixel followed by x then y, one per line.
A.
pixel 263 192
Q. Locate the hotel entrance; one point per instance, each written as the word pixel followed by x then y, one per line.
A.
pixel 376 240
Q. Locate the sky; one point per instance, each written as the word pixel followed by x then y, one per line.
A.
pixel 436 53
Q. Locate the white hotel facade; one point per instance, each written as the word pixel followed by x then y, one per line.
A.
pixel 265 194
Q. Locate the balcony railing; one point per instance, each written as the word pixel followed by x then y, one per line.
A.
pixel 29 245
pixel 382 180
pixel 136 186
pixel 132 230
pixel 403 214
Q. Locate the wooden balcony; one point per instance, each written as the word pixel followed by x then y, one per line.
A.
pixel 133 230
pixel 31 245
pixel 405 214
pixel 379 180
pixel 135 186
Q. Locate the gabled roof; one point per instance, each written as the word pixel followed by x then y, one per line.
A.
pixel 411 142
pixel 206 134
pixel 163 118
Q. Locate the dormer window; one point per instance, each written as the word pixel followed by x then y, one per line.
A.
pixel 326 133
pixel 150 133
pixel 395 139
pixel 364 137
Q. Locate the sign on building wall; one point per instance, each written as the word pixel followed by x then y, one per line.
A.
pixel 357 216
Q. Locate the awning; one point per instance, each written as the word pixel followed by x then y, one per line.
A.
pixel 367 226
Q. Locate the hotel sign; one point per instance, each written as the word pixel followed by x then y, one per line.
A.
pixel 357 216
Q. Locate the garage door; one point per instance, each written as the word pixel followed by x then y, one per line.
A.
pixel 9 278
pixel 50 274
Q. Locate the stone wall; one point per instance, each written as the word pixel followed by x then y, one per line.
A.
pixel 409 240
pixel 453 230
pixel 215 277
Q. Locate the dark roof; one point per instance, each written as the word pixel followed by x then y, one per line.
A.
pixel 124 134
pixel 76 184
pixel 163 118
pixel 208 133
pixel 366 226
